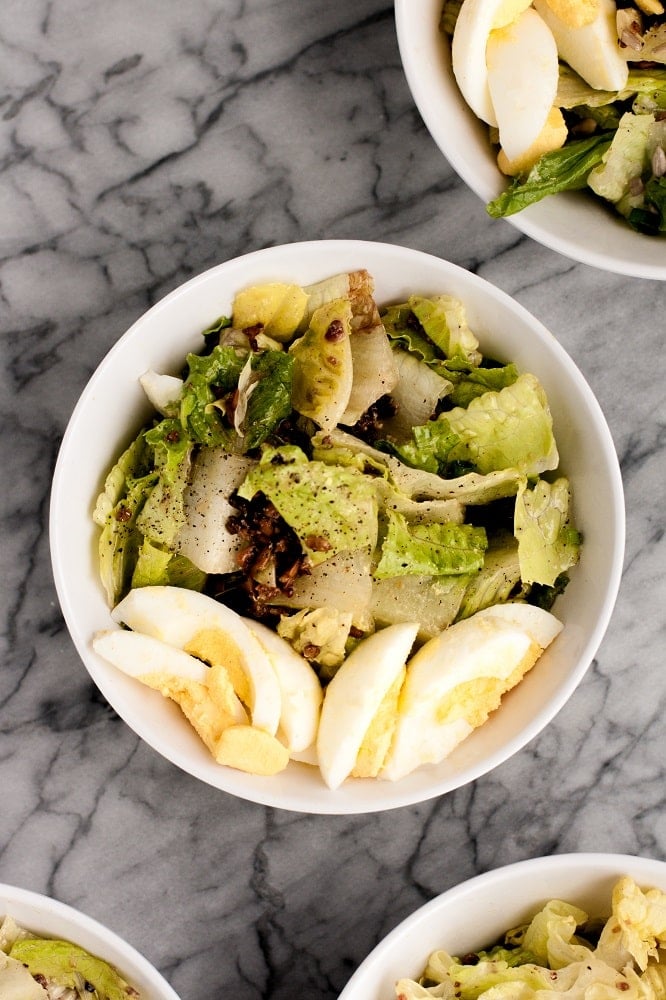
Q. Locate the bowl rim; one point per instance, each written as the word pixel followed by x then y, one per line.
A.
pixel 401 794
pixel 495 880
pixel 87 932
pixel 419 47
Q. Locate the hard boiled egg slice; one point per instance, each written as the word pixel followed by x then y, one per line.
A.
pixel 250 749
pixel 176 675
pixel 299 687
pixel 456 679
pixel 476 19
pixel 523 72
pixel 591 50
pixel 354 696
pixel 142 656
pixel 210 630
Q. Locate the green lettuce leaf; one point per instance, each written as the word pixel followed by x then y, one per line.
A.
pixel 210 377
pixel 650 218
pixel 625 158
pixel 404 330
pixel 509 429
pixel 157 567
pixel 163 513
pixel 270 400
pixel 126 489
pixel 413 548
pixel 444 319
pixel 565 169
pixel 430 446
pixel 65 964
pixel 331 508
pixel 548 543
pixel 470 382
pixel 496 581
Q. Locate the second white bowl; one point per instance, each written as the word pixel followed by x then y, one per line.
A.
pixel 573 223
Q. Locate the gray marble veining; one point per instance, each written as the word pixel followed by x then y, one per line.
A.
pixel 141 143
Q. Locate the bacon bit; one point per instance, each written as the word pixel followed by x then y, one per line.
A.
pixel 622 985
pixel 318 543
pixel 356 633
pixel 252 332
pixel 310 651
pixel 123 514
pixel 335 332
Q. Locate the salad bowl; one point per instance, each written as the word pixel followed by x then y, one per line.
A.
pixel 573 223
pixel 49 918
pixel 475 914
pixel 160 339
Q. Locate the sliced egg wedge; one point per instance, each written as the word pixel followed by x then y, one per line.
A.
pixel 354 696
pixel 300 689
pixel 457 679
pixel 207 629
pixel 208 707
pixel 591 50
pixel 552 136
pixel 522 72
pixel 476 19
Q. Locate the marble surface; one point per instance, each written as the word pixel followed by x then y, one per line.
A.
pixel 141 143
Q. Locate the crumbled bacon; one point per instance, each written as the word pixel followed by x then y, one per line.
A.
pixel 269 544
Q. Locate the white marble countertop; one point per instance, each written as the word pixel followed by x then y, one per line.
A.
pixel 141 143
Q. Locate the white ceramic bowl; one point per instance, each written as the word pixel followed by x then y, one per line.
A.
pixel 50 918
pixel 476 913
pixel 572 223
pixel 112 409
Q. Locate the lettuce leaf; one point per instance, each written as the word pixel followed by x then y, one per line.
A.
pixel 496 581
pixel 565 169
pixel 66 965
pixel 163 513
pixel 415 548
pixel 430 446
pixel 210 377
pixel 270 401
pixel 444 320
pixel 509 429
pixel 548 543
pixel 126 488
pixel 331 508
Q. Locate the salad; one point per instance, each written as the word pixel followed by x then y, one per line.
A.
pixel 335 485
pixel 562 951
pixel 592 116
pixel 37 968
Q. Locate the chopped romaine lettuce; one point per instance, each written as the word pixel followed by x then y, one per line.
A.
pixel 565 169
pixel 548 543
pixel 625 158
pixel 444 320
pixel 323 374
pixel 331 509
pixel 436 549
pixel 64 965
pixel 509 429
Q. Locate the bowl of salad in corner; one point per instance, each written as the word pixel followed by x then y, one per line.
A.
pixel 515 925
pixel 48 949
pixel 595 140
pixel 262 629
